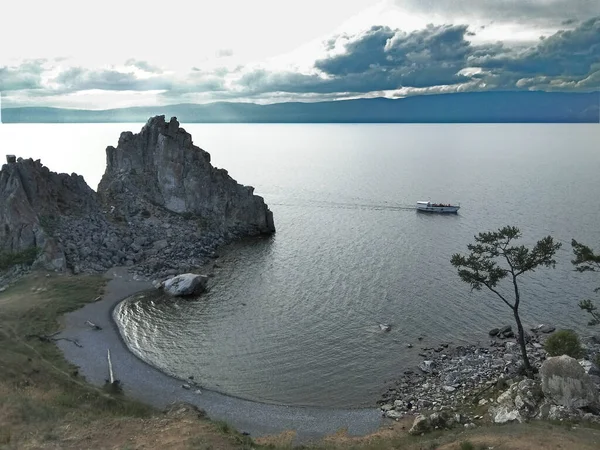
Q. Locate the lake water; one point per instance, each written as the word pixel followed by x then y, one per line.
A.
pixel 293 319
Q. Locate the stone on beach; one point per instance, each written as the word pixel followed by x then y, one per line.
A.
pixel 185 285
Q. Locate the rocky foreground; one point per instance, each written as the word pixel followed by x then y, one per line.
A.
pixel 160 209
pixel 466 384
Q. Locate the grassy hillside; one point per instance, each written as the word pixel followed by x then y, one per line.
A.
pixel 45 404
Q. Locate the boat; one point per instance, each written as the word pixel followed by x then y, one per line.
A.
pixel 437 207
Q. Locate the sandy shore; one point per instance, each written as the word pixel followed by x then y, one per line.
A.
pixel 145 383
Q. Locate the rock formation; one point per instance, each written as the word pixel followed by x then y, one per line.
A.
pixel 32 200
pixel 161 167
pixel 565 382
pixel 161 208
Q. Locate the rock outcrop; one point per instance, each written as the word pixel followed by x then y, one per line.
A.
pixel 161 167
pixel 161 208
pixel 32 201
pixel 565 383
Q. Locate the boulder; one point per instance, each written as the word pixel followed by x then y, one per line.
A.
pixel 565 383
pixel 504 414
pixel 427 366
pixel 420 425
pixel 393 414
pixel 185 284
pixel 544 328
pixel 438 420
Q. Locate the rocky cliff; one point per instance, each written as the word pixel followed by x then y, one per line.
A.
pixel 161 167
pixel 32 200
pixel 161 208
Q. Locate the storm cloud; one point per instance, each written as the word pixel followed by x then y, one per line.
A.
pixel 377 61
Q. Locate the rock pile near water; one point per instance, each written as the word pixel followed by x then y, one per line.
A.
pixel 161 208
pixel 448 379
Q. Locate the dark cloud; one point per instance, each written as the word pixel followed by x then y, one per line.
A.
pixel 540 12
pixel 383 59
pixel 438 58
pixel 143 65
pixel 570 56
pixel 27 75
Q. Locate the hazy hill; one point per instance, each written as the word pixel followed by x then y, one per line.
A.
pixel 443 108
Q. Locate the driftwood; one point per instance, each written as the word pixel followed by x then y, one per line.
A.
pixel 93 325
pixel 51 338
pixel 110 369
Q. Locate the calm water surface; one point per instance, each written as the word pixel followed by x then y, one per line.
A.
pixel 293 319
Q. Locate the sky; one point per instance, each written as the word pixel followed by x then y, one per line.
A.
pixel 112 54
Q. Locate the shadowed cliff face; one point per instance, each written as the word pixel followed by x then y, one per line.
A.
pixel 161 166
pixel 31 199
pixel 161 208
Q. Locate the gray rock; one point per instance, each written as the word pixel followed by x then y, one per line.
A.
pixel 589 367
pixel 185 284
pixel 565 383
pixel 136 217
pixel 504 414
pixel 543 328
pixel 393 414
pixel 161 166
pixel 33 202
pixel 420 425
pixel 438 420
pixel 427 366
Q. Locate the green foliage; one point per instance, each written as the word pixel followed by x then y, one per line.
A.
pixel 492 259
pixel 481 268
pixel 592 310
pixel 223 427
pixel 587 261
pixel 9 259
pixel 466 445
pixel 564 342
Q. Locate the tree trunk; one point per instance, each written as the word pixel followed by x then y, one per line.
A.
pixel 521 338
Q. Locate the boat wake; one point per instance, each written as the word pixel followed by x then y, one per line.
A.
pixel 348 205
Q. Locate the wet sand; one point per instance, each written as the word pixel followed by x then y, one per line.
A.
pixel 147 384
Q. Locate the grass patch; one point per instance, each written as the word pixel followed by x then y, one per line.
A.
pixel 38 387
pixel 9 259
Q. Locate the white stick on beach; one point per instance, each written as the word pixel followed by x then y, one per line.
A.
pixel 110 369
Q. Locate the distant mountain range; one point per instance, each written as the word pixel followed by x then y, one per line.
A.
pixel 472 107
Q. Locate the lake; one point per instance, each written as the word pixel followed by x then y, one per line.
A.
pixel 293 319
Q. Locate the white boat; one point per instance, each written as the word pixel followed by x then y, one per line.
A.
pixel 437 207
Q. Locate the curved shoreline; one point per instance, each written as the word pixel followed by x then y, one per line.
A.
pixel 144 382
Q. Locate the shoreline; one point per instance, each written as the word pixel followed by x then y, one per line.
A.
pixel 143 382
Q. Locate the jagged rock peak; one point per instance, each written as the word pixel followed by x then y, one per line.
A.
pixel 161 167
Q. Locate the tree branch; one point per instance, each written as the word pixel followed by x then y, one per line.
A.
pixel 499 295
